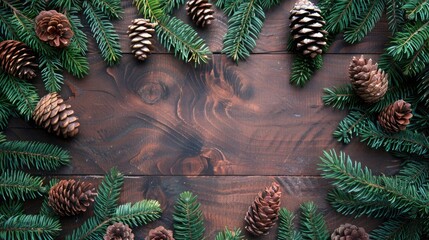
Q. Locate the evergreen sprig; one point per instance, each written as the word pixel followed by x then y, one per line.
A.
pixel 6 109
pixel 399 228
pixel 16 184
pixel 286 226
pixel 395 14
pixel 188 218
pixel 51 73
pixel 230 235
pixel 108 194
pixel 170 5
pixel 351 126
pixel 417 10
pixel 313 225
pixel 11 208
pixel 303 68
pixel 28 227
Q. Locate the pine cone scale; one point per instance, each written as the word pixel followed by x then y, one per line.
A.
pixel 395 117
pixel 17 59
pixel 54 27
pixel 140 33
pixel 200 11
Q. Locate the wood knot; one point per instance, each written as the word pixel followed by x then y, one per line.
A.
pixel 152 92
pixel 216 160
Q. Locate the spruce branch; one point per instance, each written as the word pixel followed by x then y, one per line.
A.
pixel 108 194
pixel 51 73
pixel 67 4
pixel 417 10
pixel 351 126
pixel 286 226
pixel 16 184
pixel 343 14
pixel 267 4
pixel 423 87
pixel 170 5
pixel 34 7
pixel 395 15
pixel 303 68
pixel 6 109
pixel 137 214
pixel 110 8
pixel 231 7
pixel 341 98
pixel 74 62
pixel 243 29
pixel 11 208
pixel 408 41
pixel 230 235
pixel 414 65
pixel 392 68
pixel 188 218
pixel 42 156
pixel 2 137
pixel 6 28
pixel 399 229
pixel 30 227
pixel 313 225
pixel 79 39
pixel 414 172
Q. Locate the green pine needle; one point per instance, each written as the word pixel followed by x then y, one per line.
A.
pixel 2 137
pixel 243 30
pixel 303 68
pixel 20 93
pixel 6 109
pixel 351 126
pixel 407 42
pixel 137 214
pixel 34 7
pixel 232 6
pixel 79 38
pixel 51 73
pixel 423 87
pixel 286 226
pixel 230 235
pixel 414 172
pixel 188 218
pixel 45 209
pixel 397 229
pixel 67 4
pixel 341 98
pixel 395 15
pixel 110 8
pixel 414 65
pixel 74 61
pixel 16 184
pixel 108 194
pixel 104 33
pixel 11 208
pixel 6 28
pixel 343 14
pixel 30 227
pixel 313 225
pixel 267 4
pixel 170 5
pixel 91 229
pixel 417 10
pixel 42 156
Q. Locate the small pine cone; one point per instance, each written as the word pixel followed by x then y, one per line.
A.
pixel 396 116
pixel 53 27
pixel 54 115
pixel 349 232
pixel 17 59
pixel 119 231
pixel 140 32
pixel 160 233
pixel 307 28
pixel 200 11
pixel 69 197
pixel 369 82
pixel 263 213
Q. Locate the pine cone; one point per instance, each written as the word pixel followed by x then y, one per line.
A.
pixel 17 59
pixel 140 32
pixel 263 213
pixel 160 233
pixel 200 11
pixel 54 115
pixel 119 231
pixel 349 232
pixel 53 27
pixel 369 82
pixel 396 116
pixel 69 197
pixel 307 28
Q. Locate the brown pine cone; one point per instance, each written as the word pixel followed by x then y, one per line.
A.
pixel 119 231
pixel 160 233
pixel 396 116
pixel 140 32
pixel 349 232
pixel 53 27
pixel 69 197
pixel 263 213
pixel 369 82
pixel 17 59
pixel 307 28
pixel 54 115
pixel 200 11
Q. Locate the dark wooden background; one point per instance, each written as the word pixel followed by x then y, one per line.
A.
pixel 223 131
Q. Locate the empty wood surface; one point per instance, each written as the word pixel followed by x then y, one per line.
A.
pixel 223 130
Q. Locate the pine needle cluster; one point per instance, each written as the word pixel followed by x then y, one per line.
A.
pixel 188 218
pixel 230 235
pixel 401 200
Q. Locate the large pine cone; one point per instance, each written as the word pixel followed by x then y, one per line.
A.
pixel 140 32
pixel 396 116
pixel 53 27
pixel 349 232
pixel 160 233
pixel 307 28
pixel 369 82
pixel 54 115
pixel 200 11
pixel 263 213
pixel 119 231
pixel 70 197
pixel 17 59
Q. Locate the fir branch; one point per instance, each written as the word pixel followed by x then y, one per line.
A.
pixel 104 33
pixel 352 125
pixel 79 39
pixel 5 111
pixel 6 28
pixel 423 87
pixel 232 6
pixel 188 218
pixel 414 172
pixel 2 137
pixel 50 70
pixel 108 194
pixel 393 94
pixel 42 156
pixel 68 4
pixel 110 8
pixel 170 5
pixel 340 97
pixel 365 22
pixel 343 14
pixel 30 227
pixel 90 229
pixel 20 93
pixel 398 229
pixel 313 225
pixel 395 15
pixel 243 29
pixel 230 235
pixel 412 38
pixel 286 226
pixel 16 184
pixel 417 10
pixel 303 68
pixel 414 65
pixel 267 4
pixel 392 68
pixel 33 7
pixel 222 3
pixel 137 214
pixel 11 208
pixel 74 61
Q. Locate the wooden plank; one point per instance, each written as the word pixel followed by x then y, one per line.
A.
pixel 224 200
pixel 167 118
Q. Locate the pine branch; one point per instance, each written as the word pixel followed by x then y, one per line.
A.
pixel 79 38
pixel 423 87
pixel 313 226
pixel 137 214
pixel 414 172
pixel 343 14
pixel 267 4
pixel 34 7
pixel 104 34
pixel 30 227
pixel 51 73
pixel 395 15
pixel 188 218
pixel 303 68
pixel 2 137
pixel 108 194
pixel 230 235
pixel 90 229
pixel 6 28
pixel 74 61
pixel 392 68
pixel 286 226
pixel 340 97
pixel 397 229
pixel 414 65
pixel 110 8
pixel 417 10
pixel 42 156
pixel 20 185
pixel 5 111
pixel 393 93
pixel 352 125
pixel 20 93
pixel 243 30
pixel 170 5
pixel 11 208
pixel 412 38
pixel 365 22
pixel 232 6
